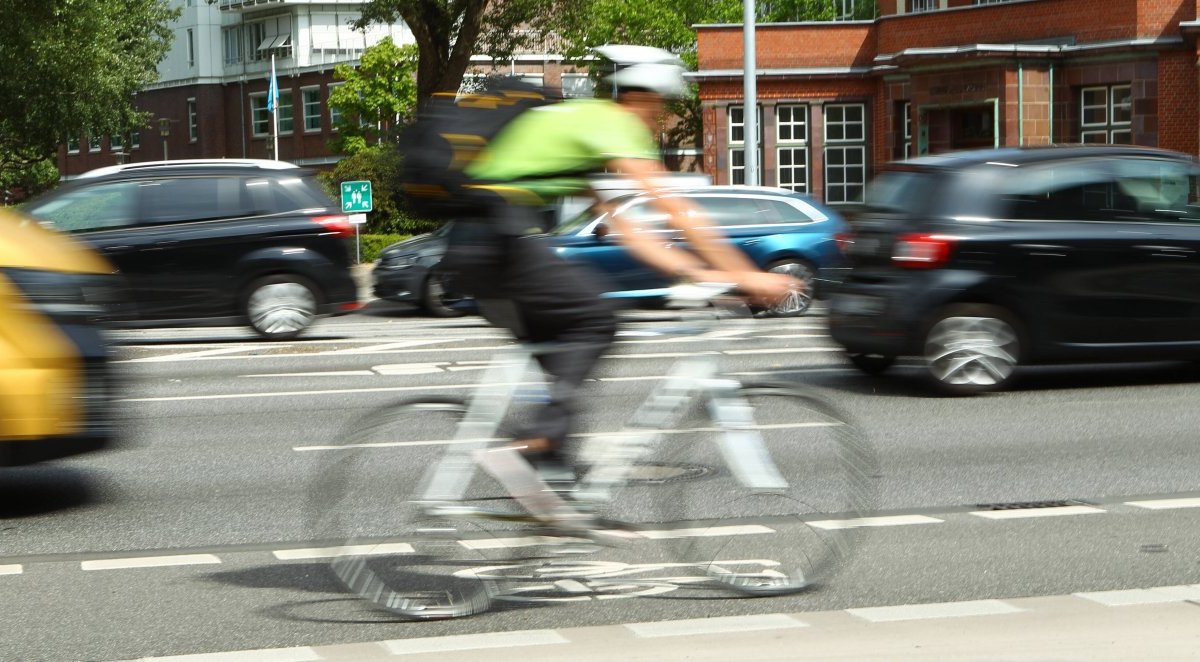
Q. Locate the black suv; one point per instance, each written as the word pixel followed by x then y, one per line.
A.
pixel 982 261
pixel 214 242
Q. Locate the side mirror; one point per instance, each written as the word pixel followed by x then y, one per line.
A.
pixel 601 231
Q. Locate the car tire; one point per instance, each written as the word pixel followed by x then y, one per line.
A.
pixel 871 364
pixel 434 299
pixel 281 307
pixel 798 303
pixel 972 348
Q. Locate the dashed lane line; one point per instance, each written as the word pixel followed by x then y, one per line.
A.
pixel 348 550
pixel 1166 504
pixel 150 562
pixel 298 654
pixel 1143 596
pixel 934 610
pixel 11 569
pixel 1021 513
pixel 467 642
pixel 716 625
pixel 862 522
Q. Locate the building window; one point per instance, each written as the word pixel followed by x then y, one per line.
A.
pixel 260 118
pixel 115 143
pixel 312 108
pixel 845 10
pixel 286 119
pixel 193 121
pixel 191 47
pixel 737 137
pixel 923 5
pixel 267 37
pixel 73 145
pixel 93 143
pixel 233 40
pixel 1105 114
pixel 578 86
pixel 791 130
pixel 845 152
pixel 135 139
pixel 335 113
pixel 989 2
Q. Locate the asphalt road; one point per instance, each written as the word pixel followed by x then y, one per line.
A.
pixel 224 445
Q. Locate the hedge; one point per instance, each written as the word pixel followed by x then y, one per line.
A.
pixel 372 244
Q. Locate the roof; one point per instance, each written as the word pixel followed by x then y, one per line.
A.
pixel 156 166
pixel 1024 155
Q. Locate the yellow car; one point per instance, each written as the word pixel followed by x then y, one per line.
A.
pixel 55 378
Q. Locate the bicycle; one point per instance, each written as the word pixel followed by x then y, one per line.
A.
pixel 666 511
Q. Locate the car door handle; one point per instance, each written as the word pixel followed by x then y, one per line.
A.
pixel 1050 250
pixel 1167 251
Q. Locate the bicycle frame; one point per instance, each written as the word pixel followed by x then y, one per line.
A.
pixel 614 456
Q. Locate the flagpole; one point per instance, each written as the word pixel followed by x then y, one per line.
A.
pixel 275 110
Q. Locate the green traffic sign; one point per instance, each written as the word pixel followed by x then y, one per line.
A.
pixel 356 197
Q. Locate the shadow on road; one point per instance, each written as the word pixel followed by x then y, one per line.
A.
pixel 41 489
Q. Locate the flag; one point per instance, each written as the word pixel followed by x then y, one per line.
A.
pixel 273 91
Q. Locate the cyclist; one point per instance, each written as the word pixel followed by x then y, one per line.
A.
pixel 523 286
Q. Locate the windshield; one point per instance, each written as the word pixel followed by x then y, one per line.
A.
pixel 574 225
pixel 900 190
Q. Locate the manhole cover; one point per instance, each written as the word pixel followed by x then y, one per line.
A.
pixel 660 472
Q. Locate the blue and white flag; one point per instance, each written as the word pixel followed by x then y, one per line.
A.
pixel 273 91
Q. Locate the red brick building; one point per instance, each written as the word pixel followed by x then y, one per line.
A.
pixel 837 100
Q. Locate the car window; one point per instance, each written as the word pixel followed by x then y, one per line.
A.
pixel 901 191
pixel 644 216
pixel 1074 190
pixel 1161 190
pixel 90 208
pixel 270 195
pixel 192 199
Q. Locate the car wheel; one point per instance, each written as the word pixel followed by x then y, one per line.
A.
pixel 281 307
pixel 972 349
pixel 871 364
pixel 796 303
pixel 436 300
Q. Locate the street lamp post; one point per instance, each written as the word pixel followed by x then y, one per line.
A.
pixel 750 92
pixel 164 130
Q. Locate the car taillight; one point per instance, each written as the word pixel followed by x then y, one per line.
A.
pixel 923 251
pixel 844 241
pixel 340 225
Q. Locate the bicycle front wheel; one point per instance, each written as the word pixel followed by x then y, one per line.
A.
pixel 386 546
pixel 772 520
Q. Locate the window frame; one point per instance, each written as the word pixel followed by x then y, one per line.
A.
pixel 191 47
pixel 193 115
pixel 256 98
pixel 305 105
pixel 1110 127
pixel 335 114
pixel 791 146
pixel 289 115
pixel 73 140
pixel 845 145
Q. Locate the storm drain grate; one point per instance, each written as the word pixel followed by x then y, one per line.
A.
pixel 1024 505
pixel 662 472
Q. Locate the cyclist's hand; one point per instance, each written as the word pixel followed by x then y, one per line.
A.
pixel 766 288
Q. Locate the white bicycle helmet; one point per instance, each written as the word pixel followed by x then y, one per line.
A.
pixel 645 68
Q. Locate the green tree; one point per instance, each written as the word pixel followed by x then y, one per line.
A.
pixel 69 67
pixel 379 96
pixel 449 32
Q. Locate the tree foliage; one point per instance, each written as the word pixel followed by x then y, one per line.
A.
pixel 378 98
pixel 449 32
pixel 380 165
pixel 69 67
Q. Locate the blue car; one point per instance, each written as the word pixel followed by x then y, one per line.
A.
pixel 779 230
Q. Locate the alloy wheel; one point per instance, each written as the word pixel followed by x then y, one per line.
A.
pixel 971 353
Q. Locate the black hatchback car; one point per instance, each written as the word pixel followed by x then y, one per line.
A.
pixel 979 262
pixel 214 242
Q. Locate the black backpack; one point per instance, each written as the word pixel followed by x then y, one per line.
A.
pixel 449 133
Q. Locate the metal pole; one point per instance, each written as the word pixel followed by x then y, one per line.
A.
pixel 749 93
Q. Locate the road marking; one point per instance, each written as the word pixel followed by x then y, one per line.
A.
pixel 898 520
pixel 191 356
pixel 11 569
pixel 299 654
pixel 698 626
pixel 934 610
pixel 150 562
pixel 585 435
pixel 388 345
pixel 331 373
pixel 1166 504
pixel 787 350
pixel 707 532
pixel 347 550
pixel 1142 596
pixel 336 391
pixel 467 642
pixel 1019 513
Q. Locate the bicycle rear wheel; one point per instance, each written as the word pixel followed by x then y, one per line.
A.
pixel 390 550
pixel 767 541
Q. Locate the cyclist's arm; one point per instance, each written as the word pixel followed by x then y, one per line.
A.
pixel 684 217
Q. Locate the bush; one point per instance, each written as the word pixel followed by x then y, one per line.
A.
pixel 373 244
pixel 380 165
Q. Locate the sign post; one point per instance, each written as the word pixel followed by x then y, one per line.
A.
pixel 356 202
